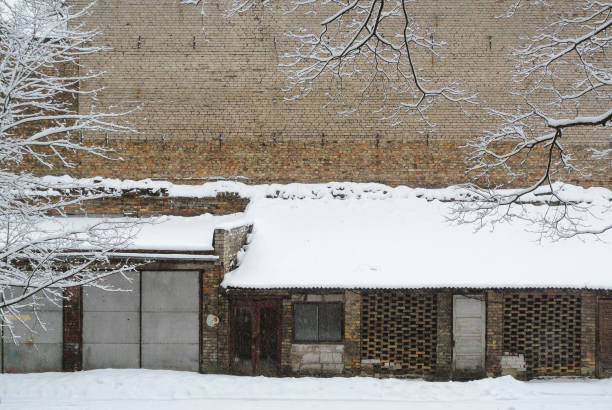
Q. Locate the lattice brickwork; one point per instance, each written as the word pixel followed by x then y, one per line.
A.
pixel 546 330
pixel 399 332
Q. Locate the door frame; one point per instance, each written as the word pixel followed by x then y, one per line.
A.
pixel 254 306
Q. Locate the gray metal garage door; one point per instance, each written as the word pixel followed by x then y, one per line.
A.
pixel 111 324
pixel 37 349
pixel 170 320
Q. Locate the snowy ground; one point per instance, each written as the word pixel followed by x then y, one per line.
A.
pixel 148 389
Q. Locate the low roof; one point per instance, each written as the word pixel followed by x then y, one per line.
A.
pixel 348 235
pixel 404 242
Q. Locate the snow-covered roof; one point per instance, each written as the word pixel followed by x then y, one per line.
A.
pixel 402 241
pixel 350 235
pixel 162 233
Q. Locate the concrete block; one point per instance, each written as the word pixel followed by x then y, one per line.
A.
pixel 337 358
pixel 327 358
pixel 111 327
pixel 314 298
pixel 332 368
pixel 309 358
pixel 127 300
pixel 170 291
pixel 171 356
pixel 339 348
pixel 310 368
pixel 32 358
pixel 170 327
pixel 115 356
pixel 297 298
pixel 333 298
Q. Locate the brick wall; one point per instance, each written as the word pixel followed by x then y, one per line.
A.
pixel 391 160
pixel 444 349
pixel 495 342
pixel 72 357
pixel 227 243
pixel 143 204
pixel 212 104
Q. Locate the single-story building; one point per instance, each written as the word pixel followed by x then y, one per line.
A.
pixel 338 280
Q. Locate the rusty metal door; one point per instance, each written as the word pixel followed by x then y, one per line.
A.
pixel 605 337
pixel 255 336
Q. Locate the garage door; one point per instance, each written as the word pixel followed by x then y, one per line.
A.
pixel 38 347
pixel 111 324
pixel 170 320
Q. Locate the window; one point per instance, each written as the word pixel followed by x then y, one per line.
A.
pixel 318 322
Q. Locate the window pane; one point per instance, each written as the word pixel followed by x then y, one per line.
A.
pixel 330 322
pixel 305 322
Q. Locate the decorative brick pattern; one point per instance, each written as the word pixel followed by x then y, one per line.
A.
pixel 72 357
pixel 399 332
pixel 546 329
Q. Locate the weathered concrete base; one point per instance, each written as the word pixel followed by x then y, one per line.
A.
pixel 317 359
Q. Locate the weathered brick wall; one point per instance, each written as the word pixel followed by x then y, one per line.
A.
pixel 227 243
pixel 390 160
pixel 352 332
pixel 142 204
pixel 588 333
pixel 444 349
pixel 212 104
pixel 72 356
pixel 214 338
pixel 495 341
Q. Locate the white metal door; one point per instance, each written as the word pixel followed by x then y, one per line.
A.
pixel 469 319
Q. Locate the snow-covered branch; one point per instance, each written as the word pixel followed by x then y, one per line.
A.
pixel 563 78
pixel 41 43
pixel 364 54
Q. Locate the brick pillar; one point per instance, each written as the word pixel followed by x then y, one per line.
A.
pixel 212 342
pixel 286 337
pixel 444 348
pixel 588 332
pixel 72 355
pixel 352 333
pixel 495 342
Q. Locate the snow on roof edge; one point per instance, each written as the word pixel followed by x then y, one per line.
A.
pixel 337 190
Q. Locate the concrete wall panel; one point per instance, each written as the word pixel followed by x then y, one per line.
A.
pixel 170 327
pixel 170 291
pixel 170 320
pixel 110 327
pixel 32 358
pixel 171 356
pixel 111 355
pixel 37 346
pixel 111 324
pixel 127 299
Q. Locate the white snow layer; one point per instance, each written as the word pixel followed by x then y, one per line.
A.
pixel 351 235
pixel 404 243
pixel 158 389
